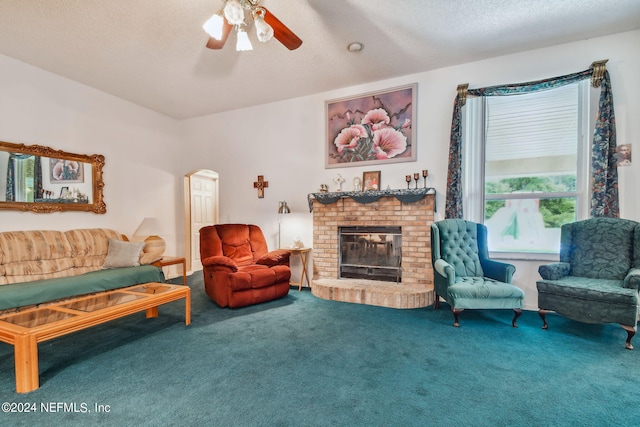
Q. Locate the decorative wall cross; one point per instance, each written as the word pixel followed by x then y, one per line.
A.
pixel 260 184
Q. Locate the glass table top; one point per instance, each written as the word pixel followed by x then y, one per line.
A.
pixel 64 309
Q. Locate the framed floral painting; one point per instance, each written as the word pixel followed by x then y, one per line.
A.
pixel 371 129
pixel 66 171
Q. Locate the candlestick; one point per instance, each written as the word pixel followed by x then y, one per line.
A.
pixel 408 179
pixel 416 176
pixel 425 174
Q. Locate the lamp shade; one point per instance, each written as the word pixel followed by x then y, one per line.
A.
pixel 243 43
pixel 151 229
pixel 283 208
pixel 214 25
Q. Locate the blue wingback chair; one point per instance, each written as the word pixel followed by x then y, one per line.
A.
pixel 464 275
pixel 598 276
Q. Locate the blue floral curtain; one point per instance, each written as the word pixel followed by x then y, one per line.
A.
pixel 38 189
pixel 604 199
pixel 11 176
pixel 604 164
pixel 453 206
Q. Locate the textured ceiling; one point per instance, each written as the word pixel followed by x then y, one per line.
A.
pixel 151 52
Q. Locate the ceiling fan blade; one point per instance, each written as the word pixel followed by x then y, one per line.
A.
pixel 219 44
pixel 280 31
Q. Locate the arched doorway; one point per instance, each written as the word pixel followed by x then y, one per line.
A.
pixel 201 209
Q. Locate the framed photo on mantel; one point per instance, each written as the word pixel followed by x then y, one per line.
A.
pixel 372 129
pixel 371 180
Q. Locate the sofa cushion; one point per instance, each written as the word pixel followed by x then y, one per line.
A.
pixel 483 287
pixel 123 254
pixel 26 271
pixel 34 255
pixel 35 245
pixel 89 246
pixel 40 291
pixel 149 258
pixel 257 276
pixel 588 289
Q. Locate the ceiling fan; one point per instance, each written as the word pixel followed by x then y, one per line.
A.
pixel 232 15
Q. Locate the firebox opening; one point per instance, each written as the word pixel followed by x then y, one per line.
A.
pixel 373 253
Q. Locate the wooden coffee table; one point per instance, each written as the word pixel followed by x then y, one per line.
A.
pixel 26 328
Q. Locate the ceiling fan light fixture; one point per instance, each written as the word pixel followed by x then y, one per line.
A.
pixel 233 12
pixel 214 25
pixel 243 43
pixel 264 31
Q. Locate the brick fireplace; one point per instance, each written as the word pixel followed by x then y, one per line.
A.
pixel 414 219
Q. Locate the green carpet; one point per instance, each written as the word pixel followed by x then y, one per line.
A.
pixel 303 361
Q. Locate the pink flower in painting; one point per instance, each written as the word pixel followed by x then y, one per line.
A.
pixel 349 137
pixel 406 123
pixel 377 118
pixel 388 143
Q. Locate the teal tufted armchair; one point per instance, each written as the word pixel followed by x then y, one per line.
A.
pixel 464 275
pixel 598 276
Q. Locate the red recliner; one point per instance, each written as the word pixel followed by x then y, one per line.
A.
pixel 238 268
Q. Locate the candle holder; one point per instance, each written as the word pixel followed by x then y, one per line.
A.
pixel 408 179
pixel 425 174
pixel 416 176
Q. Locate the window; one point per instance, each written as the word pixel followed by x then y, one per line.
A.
pixel 24 179
pixel 528 171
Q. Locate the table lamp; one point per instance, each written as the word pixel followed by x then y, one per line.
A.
pixel 150 227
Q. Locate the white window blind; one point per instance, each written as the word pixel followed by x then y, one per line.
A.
pixel 532 126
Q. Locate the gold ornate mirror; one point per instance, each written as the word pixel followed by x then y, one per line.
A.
pixel 40 179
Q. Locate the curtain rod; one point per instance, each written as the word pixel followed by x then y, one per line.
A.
pixel 598 67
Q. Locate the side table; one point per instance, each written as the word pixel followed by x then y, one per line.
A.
pixel 172 260
pixel 303 253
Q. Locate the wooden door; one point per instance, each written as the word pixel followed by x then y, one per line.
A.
pixel 203 211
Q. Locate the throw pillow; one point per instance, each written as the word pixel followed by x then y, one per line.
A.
pixel 123 254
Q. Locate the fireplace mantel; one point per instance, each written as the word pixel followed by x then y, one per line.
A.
pixel 409 195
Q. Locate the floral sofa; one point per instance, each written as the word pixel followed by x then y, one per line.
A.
pixel 44 265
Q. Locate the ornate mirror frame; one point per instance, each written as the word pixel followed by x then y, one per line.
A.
pixel 95 205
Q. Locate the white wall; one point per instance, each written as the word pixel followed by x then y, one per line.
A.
pixel 141 175
pixel 285 141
